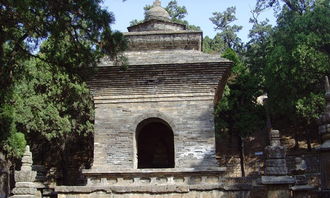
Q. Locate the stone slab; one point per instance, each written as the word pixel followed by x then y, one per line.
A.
pixel 271 180
pixel 105 170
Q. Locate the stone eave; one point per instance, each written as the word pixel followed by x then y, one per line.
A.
pixel 217 70
pixel 106 170
pixel 167 57
pixel 162 32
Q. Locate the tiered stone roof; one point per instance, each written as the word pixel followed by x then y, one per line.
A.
pixel 163 58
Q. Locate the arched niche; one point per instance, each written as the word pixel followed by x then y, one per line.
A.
pixel 154 144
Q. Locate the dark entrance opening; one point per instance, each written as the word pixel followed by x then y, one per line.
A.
pixel 155 144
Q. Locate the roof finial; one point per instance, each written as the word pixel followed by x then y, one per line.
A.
pixel 157 3
pixel 157 12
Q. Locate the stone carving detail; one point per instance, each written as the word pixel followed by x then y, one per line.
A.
pixel 275 164
pixel 24 186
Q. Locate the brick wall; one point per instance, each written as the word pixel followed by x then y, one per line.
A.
pixel 191 121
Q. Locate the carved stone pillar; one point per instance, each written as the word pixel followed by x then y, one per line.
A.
pixel 24 179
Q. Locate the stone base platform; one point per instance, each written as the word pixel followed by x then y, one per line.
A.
pixel 147 183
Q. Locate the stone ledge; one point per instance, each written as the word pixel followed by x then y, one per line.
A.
pixel 151 189
pixel 143 100
pixel 168 57
pixel 161 32
pixel 106 170
pixel 303 188
pixel 123 189
pixel 188 95
pixel 82 189
pixel 270 180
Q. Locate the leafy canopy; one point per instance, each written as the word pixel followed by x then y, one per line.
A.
pixel 46 49
pixel 298 61
pixel 227 37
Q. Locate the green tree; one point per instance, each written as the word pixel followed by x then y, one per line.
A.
pixel 238 112
pixel 299 6
pixel 297 62
pixel 227 37
pixel 53 109
pixel 46 47
pixel 257 48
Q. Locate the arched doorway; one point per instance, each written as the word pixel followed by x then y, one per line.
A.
pixel 155 144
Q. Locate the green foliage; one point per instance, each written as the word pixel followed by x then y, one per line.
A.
pixel 238 111
pixel 227 38
pixel 46 49
pixel 12 141
pixel 214 46
pixel 257 48
pixel 297 63
pixel 299 6
pixel 48 105
pixel 176 12
pixel 288 62
pixel 15 144
pixel 78 22
pixel 51 103
pixel 310 106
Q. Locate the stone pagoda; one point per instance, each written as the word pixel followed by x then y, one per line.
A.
pixel 154 121
pixel 276 176
pixel 24 179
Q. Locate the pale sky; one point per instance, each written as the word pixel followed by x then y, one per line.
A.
pixel 199 12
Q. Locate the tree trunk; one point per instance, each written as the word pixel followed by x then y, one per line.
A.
pixel 308 138
pixel 64 165
pixel 4 176
pixel 241 155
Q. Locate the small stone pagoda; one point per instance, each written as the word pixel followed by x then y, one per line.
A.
pixel 154 121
